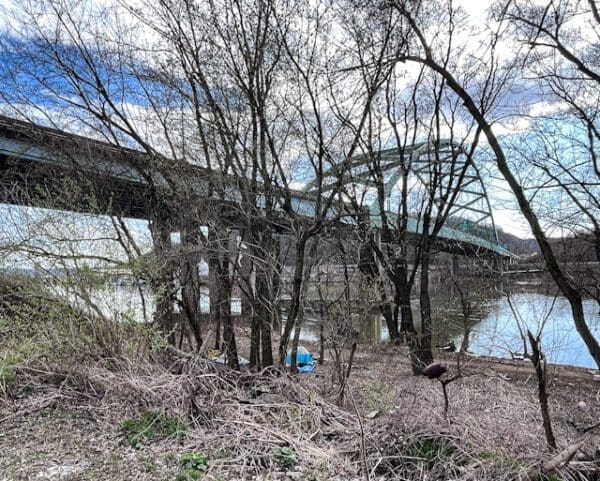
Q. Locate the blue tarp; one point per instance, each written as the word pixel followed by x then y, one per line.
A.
pixel 308 367
pixel 304 360
pixel 301 358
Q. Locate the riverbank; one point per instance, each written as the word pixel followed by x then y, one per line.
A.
pixel 493 405
pixel 249 426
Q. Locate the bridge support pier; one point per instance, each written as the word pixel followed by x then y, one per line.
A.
pixel 370 327
pixel 498 264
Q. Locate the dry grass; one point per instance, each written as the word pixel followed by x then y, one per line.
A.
pixel 493 429
pixel 239 421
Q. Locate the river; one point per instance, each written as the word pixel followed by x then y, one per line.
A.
pixel 494 327
pixel 498 333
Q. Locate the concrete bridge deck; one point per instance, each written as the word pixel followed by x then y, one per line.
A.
pixel 39 165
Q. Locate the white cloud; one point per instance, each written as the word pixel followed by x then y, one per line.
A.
pixel 477 9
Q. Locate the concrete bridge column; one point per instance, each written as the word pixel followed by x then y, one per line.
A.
pixel 370 327
pixel 498 264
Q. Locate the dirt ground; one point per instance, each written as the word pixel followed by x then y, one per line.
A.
pixel 46 433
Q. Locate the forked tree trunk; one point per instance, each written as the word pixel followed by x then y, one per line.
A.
pixel 539 363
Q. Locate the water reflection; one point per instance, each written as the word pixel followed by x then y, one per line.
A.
pixel 494 331
pixel 498 333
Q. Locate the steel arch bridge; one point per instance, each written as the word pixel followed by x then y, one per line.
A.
pixel 470 218
pixel 31 164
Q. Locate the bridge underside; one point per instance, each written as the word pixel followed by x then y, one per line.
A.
pixel 29 183
pixel 45 168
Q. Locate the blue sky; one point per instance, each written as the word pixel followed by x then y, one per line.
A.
pixel 39 83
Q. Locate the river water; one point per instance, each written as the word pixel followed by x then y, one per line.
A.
pixel 498 333
pixel 495 328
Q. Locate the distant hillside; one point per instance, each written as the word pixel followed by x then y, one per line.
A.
pixel 517 245
pixel 574 248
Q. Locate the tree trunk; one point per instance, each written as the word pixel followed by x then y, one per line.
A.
pixel 220 292
pixel 303 292
pixel 262 295
pixel 407 324
pixel 275 306
pixel 391 321
pixel 215 299
pixel 296 339
pixel 190 299
pixel 425 354
pixel 163 283
pixel 190 284
pixel 218 339
pixel 265 294
pixel 295 300
pixel 226 318
pixel 537 358
pixel 266 339
pixel 247 276
pixel 262 321
pixel 255 354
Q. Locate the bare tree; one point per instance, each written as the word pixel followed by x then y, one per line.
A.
pixel 538 359
pixel 330 127
pixel 417 164
pixel 480 100
pixel 225 100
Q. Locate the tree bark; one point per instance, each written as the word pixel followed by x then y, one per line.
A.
pixel 162 284
pixel 403 290
pixel 226 318
pixel 295 300
pixel 220 291
pixel 190 284
pixel 255 338
pixel 537 358
pixel 425 354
